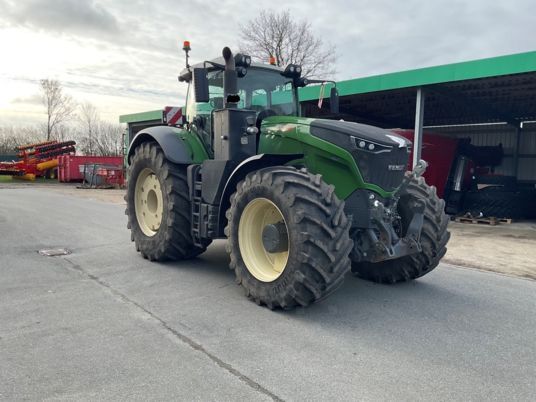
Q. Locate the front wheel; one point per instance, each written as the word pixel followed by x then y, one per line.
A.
pixel 158 206
pixel 288 237
pixel 434 238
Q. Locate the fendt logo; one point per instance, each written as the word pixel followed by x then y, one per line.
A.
pixel 396 167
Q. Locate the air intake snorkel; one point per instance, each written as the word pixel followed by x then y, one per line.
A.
pixel 230 85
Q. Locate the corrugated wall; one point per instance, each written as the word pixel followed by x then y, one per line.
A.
pixel 505 134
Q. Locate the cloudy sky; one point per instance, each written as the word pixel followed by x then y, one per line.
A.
pixel 124 55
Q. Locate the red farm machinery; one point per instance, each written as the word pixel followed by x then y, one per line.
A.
pixel 36 160
pixel 465 177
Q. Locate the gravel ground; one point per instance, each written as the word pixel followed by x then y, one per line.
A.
pixel 506 248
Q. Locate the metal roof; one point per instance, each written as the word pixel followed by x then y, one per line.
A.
pixel 498 89
pixel 467 70
pixel 141 117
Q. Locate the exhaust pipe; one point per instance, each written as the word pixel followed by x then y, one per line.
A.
pixel 230 85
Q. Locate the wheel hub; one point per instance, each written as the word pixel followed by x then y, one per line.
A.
pixel 275 237
pixel 263 239
pixel 148 202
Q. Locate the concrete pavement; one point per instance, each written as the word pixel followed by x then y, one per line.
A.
pixel 102 323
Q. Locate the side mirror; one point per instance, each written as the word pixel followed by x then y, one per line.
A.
pixel 334 101
pixel 201 85
pixel 301 82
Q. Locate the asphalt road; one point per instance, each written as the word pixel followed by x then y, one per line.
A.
pixel 102 323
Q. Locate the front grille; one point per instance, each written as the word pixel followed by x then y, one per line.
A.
pixel 375 169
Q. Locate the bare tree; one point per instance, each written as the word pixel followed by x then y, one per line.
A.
pixel 109 140
pixel 9 140
pixel 95 136
pixel 12 137
pixel 63 132
pixel 60 106
pixel 277 35
pixel 89 119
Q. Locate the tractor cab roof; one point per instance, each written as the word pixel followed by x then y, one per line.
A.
pixel 186 73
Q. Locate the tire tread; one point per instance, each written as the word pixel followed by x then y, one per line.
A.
pixel 323 259
pixel 176 242
pixel 434 238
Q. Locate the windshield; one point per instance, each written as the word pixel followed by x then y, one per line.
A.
pixel 259 90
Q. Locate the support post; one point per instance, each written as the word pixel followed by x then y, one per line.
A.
pixel 516 149
pixel 417 136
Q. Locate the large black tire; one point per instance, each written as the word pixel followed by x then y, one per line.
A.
pixel 173 239
pixel 434 238
pixel 318 237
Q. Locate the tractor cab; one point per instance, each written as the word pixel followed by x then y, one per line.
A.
pixel 262 88
pixel 265 89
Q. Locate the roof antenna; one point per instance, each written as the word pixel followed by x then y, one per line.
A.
pixel 186 47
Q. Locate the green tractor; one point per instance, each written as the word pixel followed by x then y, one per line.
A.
pixel 301 201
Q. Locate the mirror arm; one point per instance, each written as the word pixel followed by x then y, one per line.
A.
pixel 217 65
pixel 321 82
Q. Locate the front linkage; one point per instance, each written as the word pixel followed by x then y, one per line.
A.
pixel 391 235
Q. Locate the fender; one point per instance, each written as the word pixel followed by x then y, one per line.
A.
pixel 176 149
pixel 250 164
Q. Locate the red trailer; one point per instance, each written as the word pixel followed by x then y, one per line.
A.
pixel 71 167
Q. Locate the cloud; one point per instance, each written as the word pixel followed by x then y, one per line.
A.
pixel 35 99
pixel 130 49
pixel 85 17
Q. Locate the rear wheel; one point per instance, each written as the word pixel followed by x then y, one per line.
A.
pixel 288 237
pixel 158 207
pixel 434 238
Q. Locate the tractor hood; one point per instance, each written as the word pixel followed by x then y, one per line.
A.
pixel 345 134
pixel 349 135
pixel 381 156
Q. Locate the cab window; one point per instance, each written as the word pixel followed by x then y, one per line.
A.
pixel 260 89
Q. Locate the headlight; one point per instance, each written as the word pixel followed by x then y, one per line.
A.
pixel 241 72
pixel 369 146
pixel 242 60
pixel 292 71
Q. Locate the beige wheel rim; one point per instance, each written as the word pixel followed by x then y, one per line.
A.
pixel 263 265
pixel 149 202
